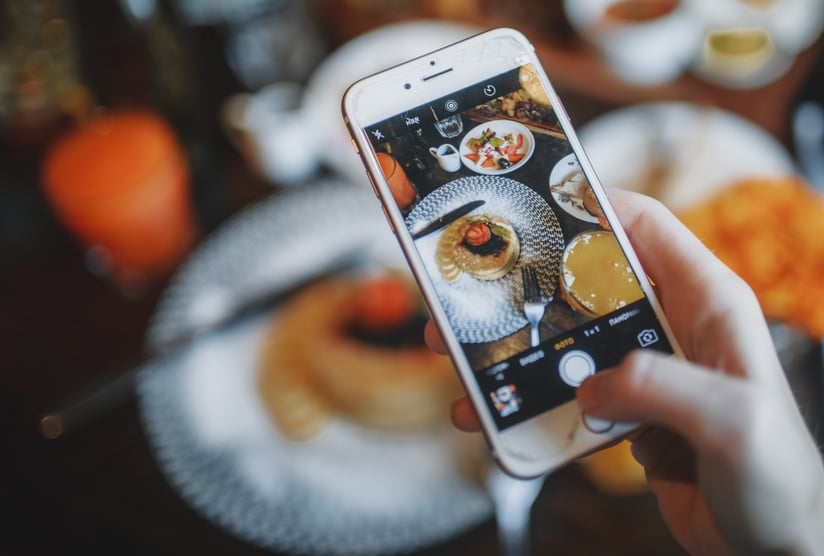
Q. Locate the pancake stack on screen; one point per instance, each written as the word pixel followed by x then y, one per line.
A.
pixel 484 246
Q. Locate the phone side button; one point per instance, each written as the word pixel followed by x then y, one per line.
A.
pixel 374 185
pixel 391 225
pixel 596 425
pixel 355 146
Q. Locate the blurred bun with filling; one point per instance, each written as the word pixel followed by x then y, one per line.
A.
pixel 770 231
pixel 353 347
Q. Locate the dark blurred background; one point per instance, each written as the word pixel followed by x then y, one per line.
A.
pixel 67 319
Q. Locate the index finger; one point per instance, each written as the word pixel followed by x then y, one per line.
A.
pixel 668 251
pixel 433 339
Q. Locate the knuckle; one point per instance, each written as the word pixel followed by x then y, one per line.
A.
pixel 638 372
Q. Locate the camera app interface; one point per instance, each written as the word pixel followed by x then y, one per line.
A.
pixel 534 283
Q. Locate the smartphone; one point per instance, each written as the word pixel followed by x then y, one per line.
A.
pixel 517 252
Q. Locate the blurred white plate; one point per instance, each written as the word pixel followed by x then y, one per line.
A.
pixel 793 24
pixel 790 25
pixel 364 55
pixel 347 491
pixel 703 149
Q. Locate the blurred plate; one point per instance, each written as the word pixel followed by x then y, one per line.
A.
pixel 500 310
pixel 501 128
pixel 364 55
pixel 766 38
pixel 349 490
pixel 679 152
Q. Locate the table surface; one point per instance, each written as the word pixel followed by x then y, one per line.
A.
pixel 99 490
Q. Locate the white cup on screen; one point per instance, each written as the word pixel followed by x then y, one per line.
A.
pixel 447 156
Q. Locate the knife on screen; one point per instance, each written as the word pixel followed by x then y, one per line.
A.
pixel 447 219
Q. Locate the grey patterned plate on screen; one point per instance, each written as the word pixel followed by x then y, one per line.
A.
pixel 488 310
pixel 348 490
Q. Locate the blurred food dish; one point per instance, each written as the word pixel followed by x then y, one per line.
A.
pixel 353 346
pixel 346 488
pixel 770 231
pixel 742 57
pixel 646 42
pixel 731 43
pixel 793 25
pixel 751 43
pixel 680 153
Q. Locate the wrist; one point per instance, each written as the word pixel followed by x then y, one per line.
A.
pixel 810 535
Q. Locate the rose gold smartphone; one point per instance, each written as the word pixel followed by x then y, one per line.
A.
pixel 521 260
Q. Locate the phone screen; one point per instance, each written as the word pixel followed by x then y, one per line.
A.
pixel 534 284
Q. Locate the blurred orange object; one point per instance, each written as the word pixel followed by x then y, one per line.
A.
pixel 120 184
pixel 770 231
pixel 614 470
pixel 638 11
pixel 402 189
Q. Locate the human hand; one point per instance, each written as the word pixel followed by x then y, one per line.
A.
pixel 724 447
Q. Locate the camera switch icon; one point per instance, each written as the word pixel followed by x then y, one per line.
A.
pixel 647 337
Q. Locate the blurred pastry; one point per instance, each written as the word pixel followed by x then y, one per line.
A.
pixel 354 347
pixel 770 231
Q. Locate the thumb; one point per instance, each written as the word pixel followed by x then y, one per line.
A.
pixel 653 388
